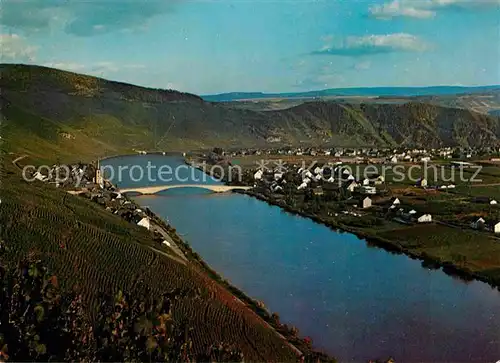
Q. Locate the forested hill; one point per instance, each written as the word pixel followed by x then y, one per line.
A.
pixel 49 112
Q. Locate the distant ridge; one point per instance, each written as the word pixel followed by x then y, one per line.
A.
pixel 361 91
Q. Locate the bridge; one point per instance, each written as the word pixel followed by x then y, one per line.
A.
pixel 160 188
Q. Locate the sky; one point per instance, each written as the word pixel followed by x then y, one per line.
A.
pixel 216 46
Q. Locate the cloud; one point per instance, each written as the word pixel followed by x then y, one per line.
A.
pixel 400 8
pixel 374 44
pixel 81 18
pixel 106 67
pixel 134 66
pixel 362 66
pixel 425 9
pixel 97 68
pixel 14 47
pixel 320 81
pixel 66 66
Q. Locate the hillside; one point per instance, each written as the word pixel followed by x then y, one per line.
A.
pixel 95 252
pixel 360 92
pixel 487 102
pixel 50 114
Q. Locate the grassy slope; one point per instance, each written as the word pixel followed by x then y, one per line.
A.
pixel 476 252
pixel 103 117
pixel 100 252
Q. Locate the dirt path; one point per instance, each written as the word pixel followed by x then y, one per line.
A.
pixel 172 257
pixel 169 239
pixel 18 159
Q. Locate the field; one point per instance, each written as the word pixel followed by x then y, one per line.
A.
pixel 481 191
pixel 475 251
pixel 453 242
pixel 94 251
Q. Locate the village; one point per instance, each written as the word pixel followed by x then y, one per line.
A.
pixel 360 183
pixel 405 186
pixel 372 154
pixel 87 181
pixel 441 221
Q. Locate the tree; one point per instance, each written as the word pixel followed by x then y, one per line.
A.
pixel 275 318
pixel 39 323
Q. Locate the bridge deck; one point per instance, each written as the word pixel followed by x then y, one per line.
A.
pixel 159 188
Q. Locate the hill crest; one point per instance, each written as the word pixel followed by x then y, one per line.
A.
pixel 53 113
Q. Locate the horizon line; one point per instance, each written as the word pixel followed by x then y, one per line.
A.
pixel 258 92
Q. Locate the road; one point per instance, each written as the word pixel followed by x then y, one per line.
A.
pixel 18 159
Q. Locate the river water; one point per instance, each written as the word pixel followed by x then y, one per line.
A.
pixel 355 302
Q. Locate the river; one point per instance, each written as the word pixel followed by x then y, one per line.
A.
pixel 356 302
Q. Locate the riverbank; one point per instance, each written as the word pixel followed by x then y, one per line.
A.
pixel 302 346
pixel 430 256
pixel 213 298
pixel 325 283
pixel 390 245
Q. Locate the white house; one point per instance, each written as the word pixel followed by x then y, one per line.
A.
pixel 366 189
pixel 425 218
pixel 496 228
pixel 412 212
pixel 366 181
pixel 308 174
pixel 367 203
pixel 276 188
pixel 39 176
pixel 302 186
pixel 396 202
pixel 479 224
pixel 422 183
pixel 393 160
pixel 493 202
pixel 144 223
pixel 166 243
pixel 353 185
pixel 258 175
pixel 278 176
